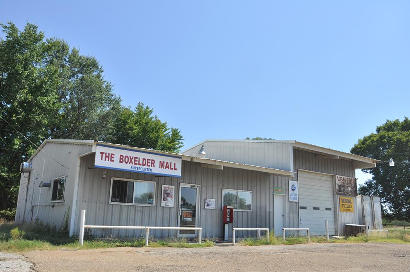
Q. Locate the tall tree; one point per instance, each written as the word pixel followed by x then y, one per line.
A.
pixel 88 106
pixel 392 184
pixel 28 84
pixel 46 91
pixel 143 129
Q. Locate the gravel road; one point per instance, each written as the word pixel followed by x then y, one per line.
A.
pixel 306 257
pixel 10 262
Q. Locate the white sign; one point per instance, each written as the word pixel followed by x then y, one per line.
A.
pixel 126 159
pixel 293 191
pixel 210 204
pixel 167 199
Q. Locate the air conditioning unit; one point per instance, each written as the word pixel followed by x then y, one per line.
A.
pixel 26 167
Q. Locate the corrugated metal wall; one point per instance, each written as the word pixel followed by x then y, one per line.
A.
pixel 94 193
pixel 54 160
pixel 347 217
pixel 269 154
pixel 324 164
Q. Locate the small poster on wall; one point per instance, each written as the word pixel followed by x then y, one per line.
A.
pixel 210 204
pixel 167 199
pixel 346 204
pixel 293 191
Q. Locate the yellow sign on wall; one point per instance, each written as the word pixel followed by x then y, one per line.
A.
pixel 346 204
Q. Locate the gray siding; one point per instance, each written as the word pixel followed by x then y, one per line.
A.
pixel 94 193
pixel 347 217
pixel 268 154
pixel 323 164
pixel 34 203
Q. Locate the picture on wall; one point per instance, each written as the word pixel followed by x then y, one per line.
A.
pixel 168 196
pixel 210 203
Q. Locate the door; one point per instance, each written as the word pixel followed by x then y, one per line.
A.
pixel 316 202
pixel 188 208
pixel 278 213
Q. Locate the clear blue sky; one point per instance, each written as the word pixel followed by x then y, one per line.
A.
pixel 322 72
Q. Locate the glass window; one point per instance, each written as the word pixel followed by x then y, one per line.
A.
pixel 58 189
pixel 238 199
pixel 244 200
pixel 144 193
pixel 133 192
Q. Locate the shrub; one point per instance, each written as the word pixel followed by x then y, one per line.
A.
pixel 16 233
pixel 8 215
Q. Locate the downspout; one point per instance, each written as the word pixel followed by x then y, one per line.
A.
pixel 75 197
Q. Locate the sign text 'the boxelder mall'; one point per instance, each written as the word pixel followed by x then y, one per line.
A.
pixel 124 159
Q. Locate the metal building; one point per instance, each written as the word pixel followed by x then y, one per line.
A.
pixel 324 177
pixel 271 184
pixel 68 176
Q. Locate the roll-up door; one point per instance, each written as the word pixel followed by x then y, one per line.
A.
pixel 316 202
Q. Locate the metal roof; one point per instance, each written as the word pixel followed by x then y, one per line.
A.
pixel 205 161
pixel 369 162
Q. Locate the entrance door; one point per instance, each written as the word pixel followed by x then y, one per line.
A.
pixel 278 213
pixel 188 208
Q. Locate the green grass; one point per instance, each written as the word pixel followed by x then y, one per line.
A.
pixel 393 235
pixel 16 238
pixel 39 237
pixel 180 243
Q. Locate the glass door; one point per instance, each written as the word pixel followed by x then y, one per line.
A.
pixel 188 208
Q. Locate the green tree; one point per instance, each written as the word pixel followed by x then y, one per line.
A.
pixel 258 138
pixel 143 129
pixel 88 106
pixel 48 90
pixel 29 78
pixel 392 184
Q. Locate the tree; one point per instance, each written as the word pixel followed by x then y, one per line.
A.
pixel 392 184
pixel 88 106
pixel 29 78
pixel 48 90
pixel 258 138
pixel 140 128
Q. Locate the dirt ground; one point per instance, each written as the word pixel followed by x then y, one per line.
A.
pixel 306 257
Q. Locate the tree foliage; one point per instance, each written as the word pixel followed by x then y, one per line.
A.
pixel 141 128
pixel 392 184
pixel 48 90
pixel 258 138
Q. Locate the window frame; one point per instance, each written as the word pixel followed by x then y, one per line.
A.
pixel 52 189
pixel 133 204
pixel 237 190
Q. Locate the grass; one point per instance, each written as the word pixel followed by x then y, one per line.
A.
pixel 15 238
pixel 39 237
pixel 393 235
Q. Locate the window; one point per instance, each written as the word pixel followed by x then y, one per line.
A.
pixel 58 189
pixel 133 192
pixel 238 199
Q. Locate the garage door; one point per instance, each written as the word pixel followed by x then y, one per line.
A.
pixel 316 202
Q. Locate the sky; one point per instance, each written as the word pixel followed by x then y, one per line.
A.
pixel 321 72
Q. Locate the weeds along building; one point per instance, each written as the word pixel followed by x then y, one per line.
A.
pixel 270 184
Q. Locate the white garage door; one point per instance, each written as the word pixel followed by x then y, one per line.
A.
pixel 316 202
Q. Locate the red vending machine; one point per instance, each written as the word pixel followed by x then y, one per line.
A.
pixel 227 216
